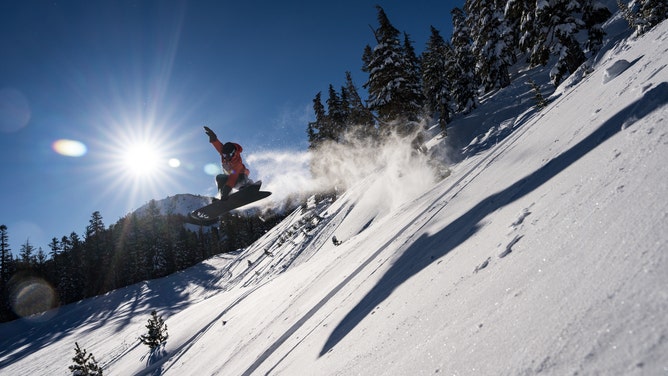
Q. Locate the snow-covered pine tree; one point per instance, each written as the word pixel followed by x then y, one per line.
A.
pixel 517 17
pixel 464 82
pixel 653 12
pixel 436 59
pixel 541 102
pixel 84 363
pixel 520 17
pixel 493 56
pixel 642 15
pixel 509 35
pixel 359 118
pixel 389 84
pixel 594 14
pixel 557 24
pixel 157 332
pixel 413 97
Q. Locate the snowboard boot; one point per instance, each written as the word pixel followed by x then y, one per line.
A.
pixel 224 194
pixel 245 182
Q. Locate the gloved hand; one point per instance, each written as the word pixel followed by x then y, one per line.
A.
pixel 211 134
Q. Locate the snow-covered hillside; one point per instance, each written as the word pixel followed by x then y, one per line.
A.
pixel 543 252
pixel 177 204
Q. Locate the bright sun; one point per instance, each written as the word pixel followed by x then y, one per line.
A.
pixel 137 147
pixel 138 163
pixel 142 159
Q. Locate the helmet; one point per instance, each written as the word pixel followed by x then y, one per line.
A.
pixel 229 149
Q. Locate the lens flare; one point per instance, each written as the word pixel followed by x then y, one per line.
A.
pixel 14 110
pixel 69 148
pixel 31 296
pixel 211 169
pixel 174 163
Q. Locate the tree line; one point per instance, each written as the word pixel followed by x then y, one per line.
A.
pixel 449 77
pixel 134 249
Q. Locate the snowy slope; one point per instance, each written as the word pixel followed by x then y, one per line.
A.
pixel 544 251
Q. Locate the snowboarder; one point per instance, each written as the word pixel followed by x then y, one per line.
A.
pixel 236 172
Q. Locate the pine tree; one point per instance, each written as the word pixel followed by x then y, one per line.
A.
pixel 509 35
pixel 389 85
pixel 463 80
pixel 413 97
pixel 318 130
pixel 26 255
pixel 594 15
pixel 359 117
pixel 157 332
pixel 6 271
pixel 520 16
pixel 653 12
pixel 5 256
pixel 75 273
pixel 336 114
pixel 40 261
pixel 182 256
pixel 557 23
pixel 345 113
pixel 95 255
pixel 642 15
pixel 493 55
pixel 435 61
pixel 54 246
pixel 84 363
pixel 541 102
pixel 134 260
pixel 65 285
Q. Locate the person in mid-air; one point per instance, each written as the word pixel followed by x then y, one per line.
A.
pixel 237 175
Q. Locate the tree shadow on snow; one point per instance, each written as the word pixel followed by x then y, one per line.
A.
pixel 167 295
pixel 428 249
pixel 496 117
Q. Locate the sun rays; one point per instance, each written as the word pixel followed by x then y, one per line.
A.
pixel 138 158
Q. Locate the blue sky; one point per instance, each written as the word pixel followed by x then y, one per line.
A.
pixel 86 86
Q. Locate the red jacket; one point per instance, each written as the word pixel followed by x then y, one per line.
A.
pixel 234 166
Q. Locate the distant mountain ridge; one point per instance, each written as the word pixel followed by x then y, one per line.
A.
pixel 178 204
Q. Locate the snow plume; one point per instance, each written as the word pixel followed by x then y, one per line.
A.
pixel 284 173
pixel 390 170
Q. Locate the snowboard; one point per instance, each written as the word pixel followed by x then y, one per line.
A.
pixel 246 195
